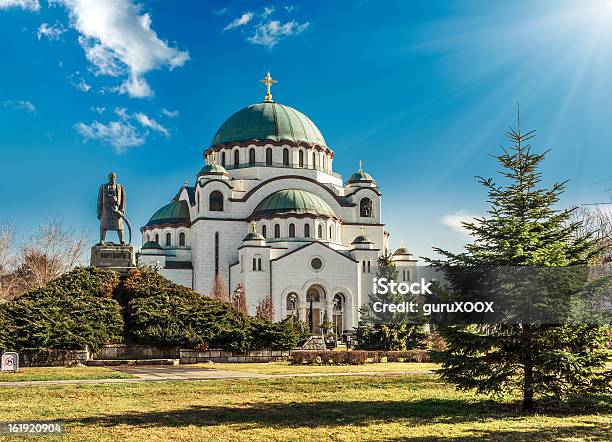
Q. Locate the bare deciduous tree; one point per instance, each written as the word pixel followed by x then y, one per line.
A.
pixel 263 309
pixel 7 260
pixel 598 222
pixel 53 250
pixel 219 290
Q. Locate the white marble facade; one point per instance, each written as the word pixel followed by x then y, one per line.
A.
pixel 267 212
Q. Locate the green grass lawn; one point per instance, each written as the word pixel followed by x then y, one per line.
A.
pixel 286 368
pixel 353 408
pixel 62 373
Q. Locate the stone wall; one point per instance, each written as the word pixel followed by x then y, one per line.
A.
pixel 52 358
pixel 196 357
pixel 132 352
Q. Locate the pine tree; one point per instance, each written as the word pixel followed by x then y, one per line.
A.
pixel 523 228
pixel 385 330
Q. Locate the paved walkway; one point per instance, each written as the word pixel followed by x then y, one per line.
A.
pixel 186 373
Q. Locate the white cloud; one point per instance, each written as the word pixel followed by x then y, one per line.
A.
pixel 221 11
pixel 32 5
pixel 455 220
pixel 118 40
pixel 98 109
pixel 23 105
pixel 52 32
pixel 122 133
pixel 170 114
pixel 240 21
pixel 150 123
pixel 267 10
pixel 271 32
pixel 118 134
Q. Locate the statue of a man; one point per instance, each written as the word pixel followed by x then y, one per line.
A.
pixel 111 207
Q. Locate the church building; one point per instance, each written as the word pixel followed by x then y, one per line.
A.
pixel 270 218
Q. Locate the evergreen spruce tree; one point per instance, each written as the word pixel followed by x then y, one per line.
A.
pixel 385 330
pixel 523 228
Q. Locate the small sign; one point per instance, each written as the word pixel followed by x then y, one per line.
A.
pixel 10 361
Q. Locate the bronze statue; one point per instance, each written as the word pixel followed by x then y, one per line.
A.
pixel 111 209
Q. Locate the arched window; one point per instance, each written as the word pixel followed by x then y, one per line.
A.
pixel 182 239
pixel 215 201
pixel 363 266
pixel 292 303
pixel 148 238
pixel 369 270
pixel 168 239
pixel 314 160
pixel 251 157
pixel 264 231
pixel 338 302
pixel 331 232
pixel 285 157
pixel 365 208
pixel 223 159
pixel 259 264
pixel 276 230
pixel 269 156
pixel 307 231
pixel 254 264
pixel 291 230
pixel 301 158
pixel 320 231
pixel 157 238
pixel 236 157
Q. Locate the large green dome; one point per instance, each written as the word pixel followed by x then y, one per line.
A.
pixel 293 202
pixel 177 212
pixel 268 121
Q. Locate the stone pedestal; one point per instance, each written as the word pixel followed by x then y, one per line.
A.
pixel 114 257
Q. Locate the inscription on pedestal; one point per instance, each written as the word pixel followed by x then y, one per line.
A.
pixel 114 257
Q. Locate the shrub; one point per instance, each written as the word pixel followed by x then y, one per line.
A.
pixel 389 336
pixel 70 312
pixel 161 313
pixel 355 357
pixel 283 335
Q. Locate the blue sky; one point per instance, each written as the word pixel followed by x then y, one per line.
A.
pixel 422 92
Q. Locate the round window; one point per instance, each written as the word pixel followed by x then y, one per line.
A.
pixel 316 263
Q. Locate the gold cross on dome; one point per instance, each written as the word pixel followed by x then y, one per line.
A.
pixel 254 227
pixel 362 231
pixel 360 166
pixel 268 81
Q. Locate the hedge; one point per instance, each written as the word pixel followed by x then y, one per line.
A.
pixel 164 314
pixel 71 312
pixel 356 357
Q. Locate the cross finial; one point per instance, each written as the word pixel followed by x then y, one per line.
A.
pixel 362 231
pixel 268 81
pixel 360 166
pixel 213 158
pixel 186 183
pixel 254 227
pixel 401 243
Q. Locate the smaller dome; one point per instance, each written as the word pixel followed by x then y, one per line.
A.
pixel 360 176
pixel 361 239
pixel 151 245
pixel 177 212
pixel 254 237
pixel 291 202
pixel 213 169
pixel 402 251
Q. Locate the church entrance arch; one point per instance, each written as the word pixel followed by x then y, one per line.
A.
pixel 315 307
